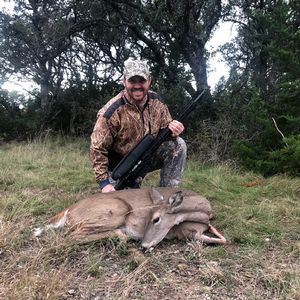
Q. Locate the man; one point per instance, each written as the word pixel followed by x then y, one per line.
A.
pixel 126 119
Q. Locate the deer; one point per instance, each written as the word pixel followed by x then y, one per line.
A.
pixel 147 214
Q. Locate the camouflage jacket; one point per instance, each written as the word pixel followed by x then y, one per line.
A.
pixel 121 125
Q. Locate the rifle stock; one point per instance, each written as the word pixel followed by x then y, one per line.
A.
pixel 135 165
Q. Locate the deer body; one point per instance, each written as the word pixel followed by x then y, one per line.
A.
pixel 144 214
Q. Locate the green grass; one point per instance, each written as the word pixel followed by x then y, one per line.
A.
pixel 259 217
pixel 251 215
pixel 40 175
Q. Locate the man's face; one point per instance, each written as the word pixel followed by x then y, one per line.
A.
pixel 137 87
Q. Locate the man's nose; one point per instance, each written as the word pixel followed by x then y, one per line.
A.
pixel 137 83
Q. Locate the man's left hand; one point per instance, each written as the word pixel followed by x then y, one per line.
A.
pixel 176 127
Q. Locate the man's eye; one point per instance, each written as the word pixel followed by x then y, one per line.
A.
pixel 135 80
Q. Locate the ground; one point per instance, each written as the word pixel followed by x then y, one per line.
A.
pixel 53 267
pixel 260 218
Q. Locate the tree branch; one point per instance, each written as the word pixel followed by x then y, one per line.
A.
pixel 275 124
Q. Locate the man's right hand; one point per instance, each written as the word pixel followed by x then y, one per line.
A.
pixel 108 188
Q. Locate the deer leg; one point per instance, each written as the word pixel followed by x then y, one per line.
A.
pixel 89 236
pixel 219 239
pixel 119 233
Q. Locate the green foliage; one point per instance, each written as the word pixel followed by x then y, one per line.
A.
pixel 73 112
pixel 6 124
pixel 263 89
pixel 76 108
pixel 76 53
pixel 283 160
pixel 14 123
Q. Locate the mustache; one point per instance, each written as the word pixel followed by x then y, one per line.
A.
pixel 137 90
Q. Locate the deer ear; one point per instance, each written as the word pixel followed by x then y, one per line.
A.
pixel 156 196
pixel 176 199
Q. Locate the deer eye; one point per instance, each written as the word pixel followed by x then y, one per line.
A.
pixel 156 220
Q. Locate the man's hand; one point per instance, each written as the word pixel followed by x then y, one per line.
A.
pixel 176 127
pixel 108 188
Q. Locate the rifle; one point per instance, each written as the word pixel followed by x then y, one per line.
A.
pixel 135 165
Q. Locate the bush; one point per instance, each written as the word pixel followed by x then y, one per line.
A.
pixel 285 159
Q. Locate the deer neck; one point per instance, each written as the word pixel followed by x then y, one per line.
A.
pixel 199 217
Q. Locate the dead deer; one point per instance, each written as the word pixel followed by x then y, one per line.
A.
pixel 149 215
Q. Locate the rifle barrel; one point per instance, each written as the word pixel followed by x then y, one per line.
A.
pixel 189 107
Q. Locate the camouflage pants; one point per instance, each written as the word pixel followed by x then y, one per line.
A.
pixel 170 158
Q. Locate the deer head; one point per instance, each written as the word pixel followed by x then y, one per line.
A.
pixel 167 213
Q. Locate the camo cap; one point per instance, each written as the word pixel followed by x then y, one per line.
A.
pixel 136 68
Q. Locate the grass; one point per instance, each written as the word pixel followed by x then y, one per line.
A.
pixel 259 217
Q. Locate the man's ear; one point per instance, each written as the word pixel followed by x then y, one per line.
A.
pixel 123 81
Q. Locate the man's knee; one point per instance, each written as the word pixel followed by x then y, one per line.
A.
pixel 177 148
pixel 181 145
pixel 173 166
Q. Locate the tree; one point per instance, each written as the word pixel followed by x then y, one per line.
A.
pixel 13 123
pixel 263 89
pixel 81 45
pixel 173 35
pixel 33 39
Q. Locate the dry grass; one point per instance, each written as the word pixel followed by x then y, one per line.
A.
pixel 260 221
pixel 56 269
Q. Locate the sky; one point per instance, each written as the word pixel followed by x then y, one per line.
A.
pixel 217 68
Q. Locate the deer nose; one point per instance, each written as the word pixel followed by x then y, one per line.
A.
pixel 142 248
pixel 146 247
